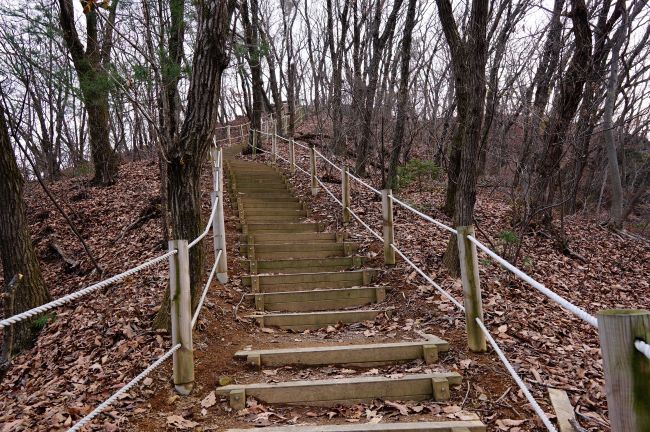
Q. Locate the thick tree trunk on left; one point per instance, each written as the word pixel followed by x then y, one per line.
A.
pixel 188 151
pixel 18 257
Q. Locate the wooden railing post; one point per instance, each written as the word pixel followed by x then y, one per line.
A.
pixel 345 193
pixel 471 288
pixel 274 142
pixel 181 316
pixel 243 138
pixel 627 371
pixel 228 134
pixel 292 156
pixel 312 170
pixel 218 224
pixel 387 216
pixel 254 141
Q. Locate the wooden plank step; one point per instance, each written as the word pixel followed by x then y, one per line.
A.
pixel 300 265
pixel 348 390
pixel 301 250
pixel 317 300
pixel 313 320
pixel 266 195
pixel 258 227
pixel 304 281
pixel 368 355
pixel 441 426
pixel 272 218
pixel 280 211
pixel 295 238
pixel 259 205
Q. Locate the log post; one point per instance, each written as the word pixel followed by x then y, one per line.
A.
pixel 254 142
pixel 241 132
pixel 181 316
pixel 345 192
pixel 218 224
pixel 627 371
pixel 387 216
pixel 312 165
pixel 471 288
pixel 292 156
pixel 274 142
pixel 228 134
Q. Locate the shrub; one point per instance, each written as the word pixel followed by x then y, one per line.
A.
pixel 416 169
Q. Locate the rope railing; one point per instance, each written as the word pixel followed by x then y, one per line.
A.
pixel 428 278
pixel 515 376
pixel 643 348
pixel 206 289
pixel 329 191
pixel 328 161
pixel 423 216
pixel 101 407
pixel 580 313
pixel 377 191
pixel 83 292
pixel 207 226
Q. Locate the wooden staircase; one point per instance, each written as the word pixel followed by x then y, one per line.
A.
pixel 302 278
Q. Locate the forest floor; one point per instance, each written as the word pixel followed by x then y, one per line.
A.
pixel 88 350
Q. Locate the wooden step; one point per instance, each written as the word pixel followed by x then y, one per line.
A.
pixel 271 218
pixel 301 250
pixel 345 391
pixel 267 196
pixel 317 300
pixel 255 228
pixel 429 426
pixel 314 320
pixel 302 264
pixel 258 205
pixel 364 355
pixel 246 200
pixel 325 237
pixel 280 211
pixel 305 281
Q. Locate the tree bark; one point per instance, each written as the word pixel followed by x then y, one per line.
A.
pixel 19 260
pixel 94 81
pixel 468 59
pixel 188 152
pixel 402 95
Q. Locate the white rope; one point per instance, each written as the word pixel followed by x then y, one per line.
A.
pixel 205 290
pixel 301 145
pixel 377 191
pixel 207 226
pixel 580 313
pixel 643 348
pixel 328 161
pixel 540 412
pixel 329 192
pixel 101 407
pixel 372 231
pixel 424 216
pixel 75 295
pixel 428 279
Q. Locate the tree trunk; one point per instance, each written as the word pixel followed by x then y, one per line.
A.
pixel 402 95
pixel 90 65
pixel 19 260
pixel 468 58
pixel 188 152
pixel 254 58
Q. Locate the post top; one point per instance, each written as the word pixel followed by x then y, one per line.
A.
pixel 623 312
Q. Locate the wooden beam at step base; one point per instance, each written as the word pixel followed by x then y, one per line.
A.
pixel 442 426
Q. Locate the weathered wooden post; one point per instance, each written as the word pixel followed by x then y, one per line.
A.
pixel 312 170
pixel 387 216
pixel 627 371
pixel 345 194
pixel 292 156
pixel 471 288
pixel 228 134
pixel 243 138
pixel 181 316
pixel 274 141
pixel 254 141
pixel 218 224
